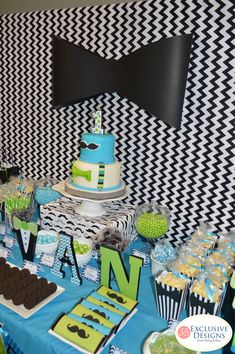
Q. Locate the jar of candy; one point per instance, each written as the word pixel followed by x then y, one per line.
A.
pixel 161 256
pixel 152 220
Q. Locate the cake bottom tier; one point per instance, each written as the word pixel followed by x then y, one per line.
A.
pixel 94 177
pixel 97 195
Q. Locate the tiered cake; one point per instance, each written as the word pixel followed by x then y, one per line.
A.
pixel 96 174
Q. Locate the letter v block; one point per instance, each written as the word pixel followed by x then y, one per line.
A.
pixel 111 260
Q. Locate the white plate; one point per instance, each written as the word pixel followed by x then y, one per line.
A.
pixel 21 310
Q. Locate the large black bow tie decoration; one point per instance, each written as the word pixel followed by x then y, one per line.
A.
pixel 154 76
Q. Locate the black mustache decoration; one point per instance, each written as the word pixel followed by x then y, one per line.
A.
pixel 91 146
pixel 115 296
pixel 80 332
pixel 88 325
pixel 154 76
pixel 101 313
pixel 106 302
pixel 91 318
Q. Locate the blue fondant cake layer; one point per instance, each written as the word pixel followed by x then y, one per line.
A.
pixel 97 148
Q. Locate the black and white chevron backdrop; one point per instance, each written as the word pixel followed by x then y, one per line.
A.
pixel 189 170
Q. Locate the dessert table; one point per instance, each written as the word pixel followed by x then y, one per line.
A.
pixel 32 335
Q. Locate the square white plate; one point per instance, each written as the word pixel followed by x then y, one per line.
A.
pixel 21 310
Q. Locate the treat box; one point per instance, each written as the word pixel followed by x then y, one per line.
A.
pixel 21 310
pixel 199 305
pixel 104 343
pixel 170 300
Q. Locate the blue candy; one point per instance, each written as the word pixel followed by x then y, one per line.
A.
pixel 164 252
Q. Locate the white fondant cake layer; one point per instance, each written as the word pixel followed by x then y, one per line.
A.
pixel 89 176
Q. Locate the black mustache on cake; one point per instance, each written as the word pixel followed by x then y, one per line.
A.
pixel 91 146
pixel 91 318
pixel 153 76
pixel 80 331
pixel 116 297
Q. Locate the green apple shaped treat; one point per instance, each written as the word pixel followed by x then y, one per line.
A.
pixel 152 221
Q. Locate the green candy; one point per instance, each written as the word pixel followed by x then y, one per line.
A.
pixel 151 225
pixel 81 248
pixel 167 344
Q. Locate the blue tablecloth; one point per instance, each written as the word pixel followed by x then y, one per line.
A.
pixel 32 334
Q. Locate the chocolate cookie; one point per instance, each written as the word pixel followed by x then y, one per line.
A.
pixel 5 271
pixel 51 288
pixel 47 290
pixel 32 278
pixel 32 288
pixel 43 292
pixel 9 282
pixel 30 302
pixel 2 276
pixel 25 281
pixel 2 260
pixel 18 298
pixel 1 287
pixel 19 285
pixel 14 271
pixel 25 273
pixel 42 282
pixel 8 292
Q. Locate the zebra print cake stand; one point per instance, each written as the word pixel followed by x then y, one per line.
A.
pixel 89 206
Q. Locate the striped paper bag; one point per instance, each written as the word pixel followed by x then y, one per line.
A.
pixel 170 300
pixel 199 305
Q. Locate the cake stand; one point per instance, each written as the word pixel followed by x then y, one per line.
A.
pixel 88 207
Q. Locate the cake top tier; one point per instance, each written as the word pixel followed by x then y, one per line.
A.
pixel 97 148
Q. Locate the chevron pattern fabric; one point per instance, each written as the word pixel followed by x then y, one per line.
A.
pixel 188 170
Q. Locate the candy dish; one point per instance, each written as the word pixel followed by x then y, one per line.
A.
pixel 83 250
pixel 45 195
pixel 162 254
pixel 164 343
pixel 152 220
pixel 47 242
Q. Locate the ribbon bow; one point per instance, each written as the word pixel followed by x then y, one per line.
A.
pixel 154 76
pixel 76 172
pixel 23 225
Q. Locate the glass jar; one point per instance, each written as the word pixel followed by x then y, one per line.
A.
pixel 152 220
